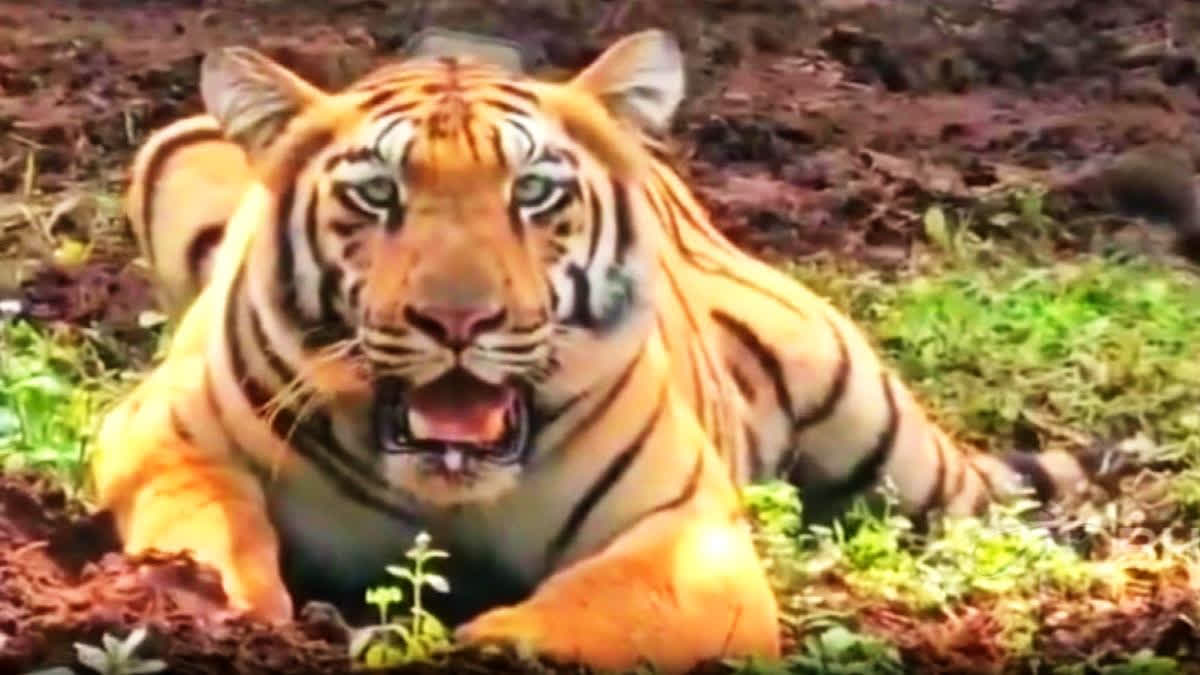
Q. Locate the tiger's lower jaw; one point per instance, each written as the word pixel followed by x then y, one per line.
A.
pixel 440 489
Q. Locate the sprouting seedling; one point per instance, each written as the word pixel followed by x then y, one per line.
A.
pixel 418 577
pixel 420 634
pixel 383 597
pixel 117 658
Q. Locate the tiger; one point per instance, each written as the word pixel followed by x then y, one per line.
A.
pixel 458 299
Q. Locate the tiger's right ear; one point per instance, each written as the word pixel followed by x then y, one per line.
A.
pixel 251 96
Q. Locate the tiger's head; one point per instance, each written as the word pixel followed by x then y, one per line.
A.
pixel 481 240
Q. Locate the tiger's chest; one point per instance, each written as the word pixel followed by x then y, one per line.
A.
pixel 334 546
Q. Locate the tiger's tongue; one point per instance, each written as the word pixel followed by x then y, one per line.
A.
pixel 458 408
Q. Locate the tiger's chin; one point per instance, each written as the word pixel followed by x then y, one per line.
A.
pixel 455 440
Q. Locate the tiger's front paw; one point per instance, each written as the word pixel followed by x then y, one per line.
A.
pixel 519 627
pixel 257 592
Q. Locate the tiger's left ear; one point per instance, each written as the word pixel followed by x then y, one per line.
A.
pixel 639 79
pixel 251 96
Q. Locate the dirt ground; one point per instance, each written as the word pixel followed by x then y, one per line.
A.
pixel 810 128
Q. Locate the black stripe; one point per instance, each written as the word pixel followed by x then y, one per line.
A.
pixel 206 239
pixel 348 253
pixel 517 91
pixel 697 385
pixel 554 299
pixel 866 472
pixel 528 136
pixel 608 478
pixel 389 349
pixel 690 484
pixel 472 143
pixel 154 168
pixel 660 153
pixel 552 415
pixel 597 223
pixel 581 311
pixel 708 360
pixel 282 370
pixel 179 427
pixel 294 164
pixel 603 405
pixel 385 131
pixel 1029 466
pixel 498 148
pixel 623 221
pixel 393 83
pixel 347 229
pixel 754 450
pixel 396 110
pixel 700 225
pixel 960 478
pixel 330 277
pixel 507 107
pixel 837 388
pixel 767 360
pixel 705 263
pixel 981 502
pixel 376 99
pixel 985 478
pixel 742 382
pixel 352 155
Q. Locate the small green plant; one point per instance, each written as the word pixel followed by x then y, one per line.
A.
pixel 1142 662
pixel 117 656
pixel 839 651
pixel 831 649
pixel 417 636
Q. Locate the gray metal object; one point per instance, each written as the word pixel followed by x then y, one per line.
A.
pixel 437 42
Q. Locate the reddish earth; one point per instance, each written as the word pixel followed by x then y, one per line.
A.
pixel 810 127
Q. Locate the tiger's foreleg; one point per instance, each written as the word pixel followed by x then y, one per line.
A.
pixel 868 425
pixel 682 585
pixel 673 592
pixel 169 493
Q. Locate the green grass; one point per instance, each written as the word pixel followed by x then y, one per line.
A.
pixel 54 383
pixel 1004 347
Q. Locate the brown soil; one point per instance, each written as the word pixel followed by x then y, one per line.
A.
pixel 810 127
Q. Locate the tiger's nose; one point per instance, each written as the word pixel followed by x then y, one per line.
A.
pixel 454 326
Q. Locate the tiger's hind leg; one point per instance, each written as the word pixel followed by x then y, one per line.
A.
pixel 885 433
pixel 826 413
pixel 169 493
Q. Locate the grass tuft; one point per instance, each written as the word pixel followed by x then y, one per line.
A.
pixel 54 382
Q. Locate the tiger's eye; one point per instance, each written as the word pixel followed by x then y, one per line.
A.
pixel 379 191
pixel 531 190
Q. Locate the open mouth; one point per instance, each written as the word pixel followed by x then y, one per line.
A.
pixel 456 419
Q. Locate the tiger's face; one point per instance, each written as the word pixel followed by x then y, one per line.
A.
pixel 477 238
